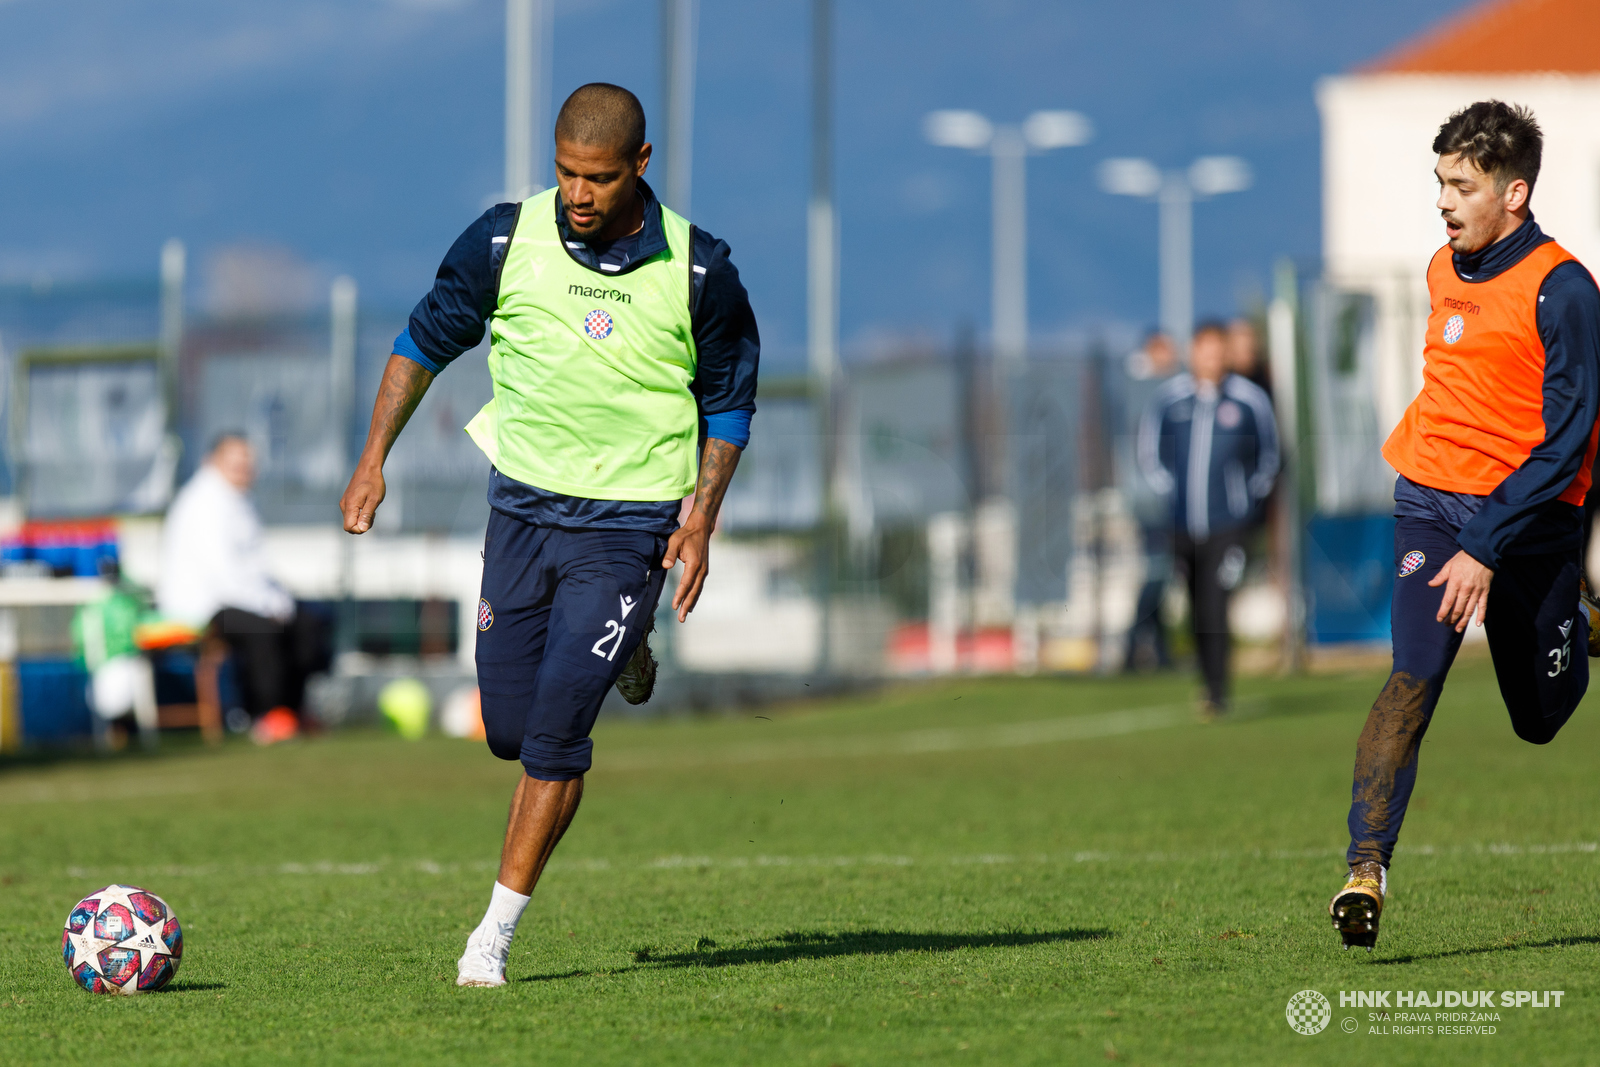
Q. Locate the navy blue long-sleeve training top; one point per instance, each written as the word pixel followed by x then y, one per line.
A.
pixel 1524 514
pixel 452 319
pixel 1212 449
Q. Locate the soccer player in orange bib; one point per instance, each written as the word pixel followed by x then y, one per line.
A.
pixel 1494 457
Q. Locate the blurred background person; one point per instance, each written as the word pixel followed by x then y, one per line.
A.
pixel 1148 367
pixel 1210 443
pixel 214 573
pixel 121 681
pixel 1244 354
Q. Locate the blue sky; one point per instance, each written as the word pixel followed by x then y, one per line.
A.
pixel 363 135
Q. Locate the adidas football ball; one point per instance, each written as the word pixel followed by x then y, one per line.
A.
pixel 122 939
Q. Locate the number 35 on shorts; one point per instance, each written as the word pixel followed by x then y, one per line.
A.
pixel 1560 660
pixel 615 629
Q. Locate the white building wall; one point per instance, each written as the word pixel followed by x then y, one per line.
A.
pixel 1379 224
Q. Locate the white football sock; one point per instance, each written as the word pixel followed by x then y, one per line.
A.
pixel 505 910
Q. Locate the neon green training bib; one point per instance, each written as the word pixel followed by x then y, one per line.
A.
pixel 591 371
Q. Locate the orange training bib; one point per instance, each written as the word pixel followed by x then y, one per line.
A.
pixel 1481 409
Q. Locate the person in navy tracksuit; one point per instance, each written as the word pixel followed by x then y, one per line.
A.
pixel 1210 441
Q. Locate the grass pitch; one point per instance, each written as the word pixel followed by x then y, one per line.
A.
pixel 1006 872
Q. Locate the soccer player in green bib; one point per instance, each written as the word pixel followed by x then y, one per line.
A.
pixel 624 356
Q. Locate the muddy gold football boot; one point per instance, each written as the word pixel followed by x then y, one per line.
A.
pixel 1357 907
pixel 638 678
pixel 1589 608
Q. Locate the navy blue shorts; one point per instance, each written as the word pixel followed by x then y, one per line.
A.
pixel 562 611
pixel 1537 637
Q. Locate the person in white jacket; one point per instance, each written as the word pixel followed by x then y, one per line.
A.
pixel 214 571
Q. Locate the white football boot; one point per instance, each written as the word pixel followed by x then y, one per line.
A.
pixel 484 961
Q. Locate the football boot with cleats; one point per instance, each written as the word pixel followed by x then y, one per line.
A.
pixel 638 678
pixel 1357 907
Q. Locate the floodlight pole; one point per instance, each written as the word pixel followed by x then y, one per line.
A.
pixel 174 261
pixel 822 307
pixel 1175 192
pixel 1175 204
pixel 680 23
pixel 1283 351
pixel 822 281
pixel 1008 301
pixel 528 36
pixel 1008 147
pixel 342 296
pixel 342 300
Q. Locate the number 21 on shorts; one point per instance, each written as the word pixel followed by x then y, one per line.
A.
pixel 614 631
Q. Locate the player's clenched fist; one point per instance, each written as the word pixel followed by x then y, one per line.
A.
pixel 361 499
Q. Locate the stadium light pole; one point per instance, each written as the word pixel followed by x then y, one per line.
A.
pixel 680 27
pixel 342 295
pixel 529 32
pixel 822 233
pixel 822 309
pixel 174 264
pixel 1175 192
pixel 1008 147
pixel 342 300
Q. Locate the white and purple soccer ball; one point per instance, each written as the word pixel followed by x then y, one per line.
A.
pixel 122 939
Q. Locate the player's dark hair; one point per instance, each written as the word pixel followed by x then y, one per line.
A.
pixel 604 115
pixel 224 437
pixel 1502 140
pixel 1216 326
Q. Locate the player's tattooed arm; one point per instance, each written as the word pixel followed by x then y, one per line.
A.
pixel 404 382
pixel 691 543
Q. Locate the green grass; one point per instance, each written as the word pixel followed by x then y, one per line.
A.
pixel 905 877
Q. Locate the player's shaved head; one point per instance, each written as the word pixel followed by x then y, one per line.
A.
pixel 602 115
pixel 601 154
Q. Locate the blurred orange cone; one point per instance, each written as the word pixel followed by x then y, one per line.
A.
pixel 462 715
pixel 279 724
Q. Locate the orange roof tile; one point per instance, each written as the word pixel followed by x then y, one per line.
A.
pixel 1503 36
